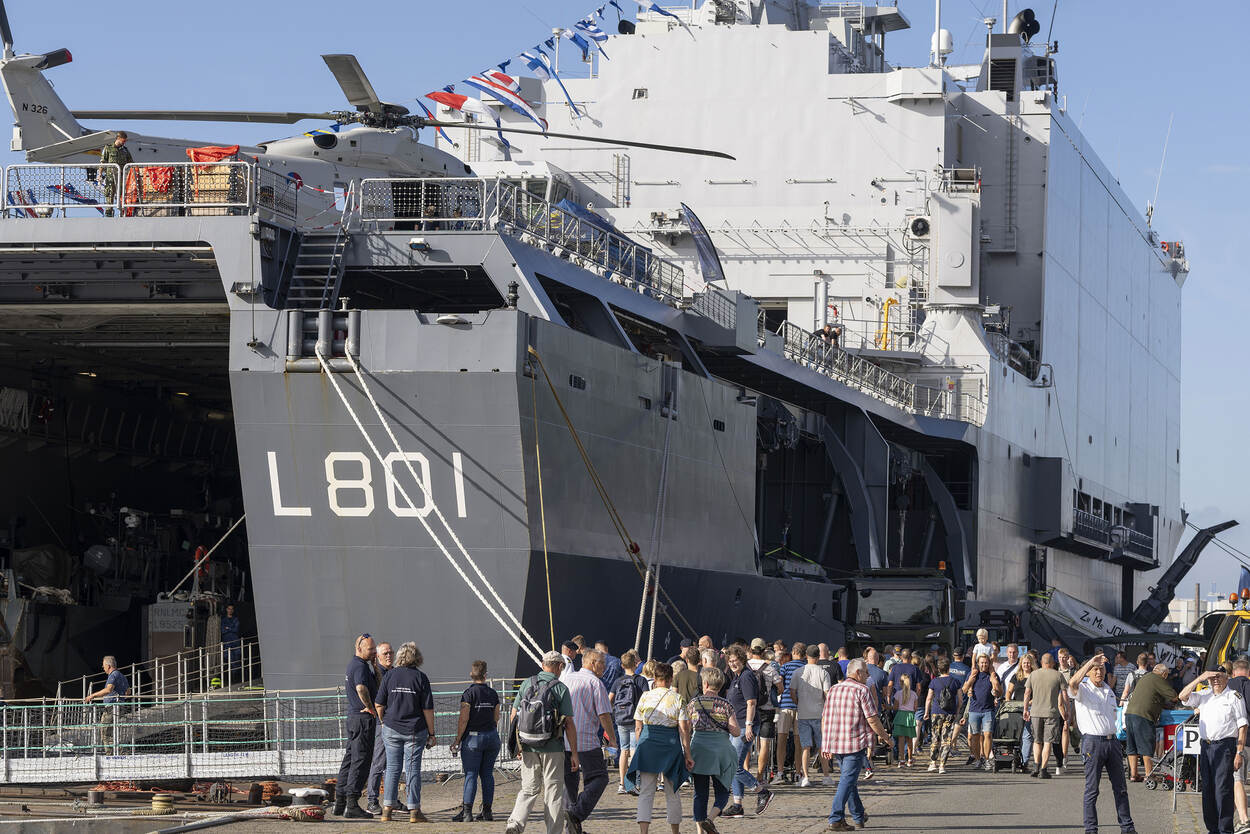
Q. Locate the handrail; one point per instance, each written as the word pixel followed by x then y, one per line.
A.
pixel 466 204
pixel 178 675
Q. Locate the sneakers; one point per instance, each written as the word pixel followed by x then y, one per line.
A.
pixel 805 782
pixel 734 810
pixel 932 767
pixel 898 764
pixel 830 781
pixel 865 774
pixel 573 823
pixel 970 761
pixel 1058 770
pixel 761 801
pixel 778 779
pixel 1045 774
pixel 1241 827
pixel 513 828
pixel 374 807
pixel 620 790
pixel 354 812
pixel 707 827
pixel 908 763
pixel 941 769
pixel 989 765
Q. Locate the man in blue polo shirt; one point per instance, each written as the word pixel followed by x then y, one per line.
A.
pixel 115 688
pixel 360 687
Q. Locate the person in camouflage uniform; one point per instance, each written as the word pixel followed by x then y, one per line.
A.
pixel 114 154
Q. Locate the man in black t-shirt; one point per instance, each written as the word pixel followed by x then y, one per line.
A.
pixel 360 687
pixel 830 664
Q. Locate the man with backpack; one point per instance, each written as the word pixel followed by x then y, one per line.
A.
pixel 542 716
pixel 941 709
pixel 624 696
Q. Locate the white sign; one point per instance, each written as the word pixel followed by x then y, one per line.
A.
pixel 1094 623
pixel 1187 739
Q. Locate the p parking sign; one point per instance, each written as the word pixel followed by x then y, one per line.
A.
pixel 1190 744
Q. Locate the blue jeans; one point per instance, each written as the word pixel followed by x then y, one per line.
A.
pixel 742 779
pixel 478 752
pixel 847 797
pixel 701 785
pixel 405 750
pixel 1026 744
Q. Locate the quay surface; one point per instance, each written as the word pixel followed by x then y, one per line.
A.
pixel 897 801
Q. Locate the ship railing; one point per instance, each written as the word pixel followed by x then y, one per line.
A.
pixel 808 349
pixel 284 734
pixel 1136 542
pixel 276 195
pixel 166 189
pixel 207 669
pixel 1089 526
pixel 465 204
pixel 39 190
pixel 174 189
pixel 717 305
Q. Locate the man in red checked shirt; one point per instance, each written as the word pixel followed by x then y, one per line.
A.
pixel 846 728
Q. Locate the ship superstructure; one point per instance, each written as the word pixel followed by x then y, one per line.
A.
pixel 955 226
pixel 476 401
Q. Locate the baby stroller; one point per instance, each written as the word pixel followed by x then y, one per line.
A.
pixel 1168 770
pixel 1008 730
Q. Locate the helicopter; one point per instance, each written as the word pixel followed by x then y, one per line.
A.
pixel 376 139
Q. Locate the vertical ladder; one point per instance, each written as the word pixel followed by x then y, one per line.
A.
pixel 1009 186
pixel 319 268
pixel 620 170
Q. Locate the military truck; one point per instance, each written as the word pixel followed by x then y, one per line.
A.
pixel 908 607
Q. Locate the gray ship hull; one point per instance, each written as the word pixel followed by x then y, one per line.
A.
pixel 338 550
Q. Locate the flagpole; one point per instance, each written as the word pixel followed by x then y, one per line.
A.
pixel 559 33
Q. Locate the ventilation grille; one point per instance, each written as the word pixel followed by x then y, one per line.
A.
pixel 1003 76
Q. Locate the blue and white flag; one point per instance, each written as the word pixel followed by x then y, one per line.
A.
pixel 506 89
pixel 581 42
pixel 619 10
pixel 655 7
pixel 589 29
pixel 540 65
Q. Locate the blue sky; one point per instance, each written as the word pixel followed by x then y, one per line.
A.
pixel 1125 67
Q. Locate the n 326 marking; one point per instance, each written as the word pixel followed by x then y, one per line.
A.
pixel 360 483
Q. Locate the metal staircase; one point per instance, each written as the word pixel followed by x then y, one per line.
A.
pixel 318 273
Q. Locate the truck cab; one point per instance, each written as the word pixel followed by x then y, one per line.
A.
pixel 1228 634
pixel 909 608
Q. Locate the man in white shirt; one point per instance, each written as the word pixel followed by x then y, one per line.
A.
pixel 1095 704
pixel 1222 728
pixel 1007 669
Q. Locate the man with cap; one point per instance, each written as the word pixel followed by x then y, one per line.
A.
pixel 1094 701
pixel 1222 729
pixel 543 765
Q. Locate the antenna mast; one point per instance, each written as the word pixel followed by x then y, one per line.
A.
pixel 1150 207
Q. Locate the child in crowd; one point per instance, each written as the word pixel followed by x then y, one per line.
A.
pixel 905 702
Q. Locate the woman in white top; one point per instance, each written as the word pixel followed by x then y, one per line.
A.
pixel 663 747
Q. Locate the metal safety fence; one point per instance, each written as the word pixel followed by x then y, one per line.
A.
pixel 473 205
pixel 33 190
pixel 213 736
pixel 172 189
pixel 166 189
pixel 190 672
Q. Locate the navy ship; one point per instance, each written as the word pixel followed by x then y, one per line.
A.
pixel 488 396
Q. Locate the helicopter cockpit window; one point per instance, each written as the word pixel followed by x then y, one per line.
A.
pixel 325 141
pixel 560 190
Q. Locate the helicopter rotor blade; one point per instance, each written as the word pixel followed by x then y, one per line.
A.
pixel 353 81
pixel 577 136
pixel 262 117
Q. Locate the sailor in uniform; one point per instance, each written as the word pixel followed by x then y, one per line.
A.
pixel 1222 728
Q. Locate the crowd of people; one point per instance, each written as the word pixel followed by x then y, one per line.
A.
pixel 741 719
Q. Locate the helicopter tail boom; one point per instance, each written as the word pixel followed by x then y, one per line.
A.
pixel 40 117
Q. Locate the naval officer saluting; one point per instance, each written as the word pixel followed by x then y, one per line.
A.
pixel 1222 728
pixel 1095 702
